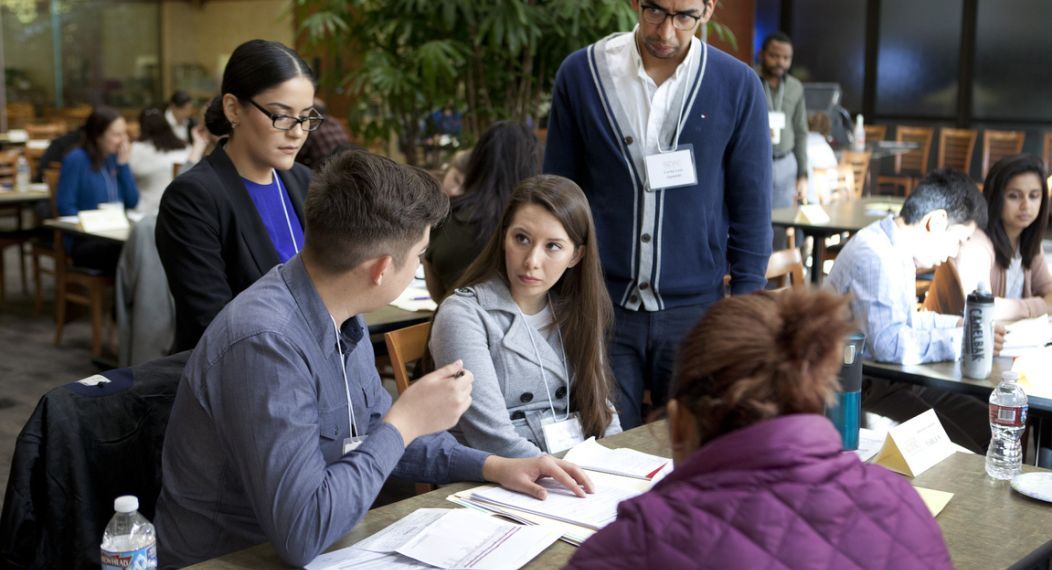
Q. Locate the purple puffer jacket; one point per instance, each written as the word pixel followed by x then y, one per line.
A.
pixel 777 494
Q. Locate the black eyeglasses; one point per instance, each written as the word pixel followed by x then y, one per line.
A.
pixel 309 123
pixel 680 20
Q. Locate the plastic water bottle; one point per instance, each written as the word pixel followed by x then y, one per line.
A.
pixel 859 135
pixel 22 174
pixel 129 541
pixel 1008 407
pixel 977 350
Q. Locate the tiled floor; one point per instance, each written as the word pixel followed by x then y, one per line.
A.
pixel 29 364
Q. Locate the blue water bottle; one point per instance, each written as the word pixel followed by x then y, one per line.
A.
pixel 846 414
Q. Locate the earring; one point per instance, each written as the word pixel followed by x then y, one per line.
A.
pixel 235 124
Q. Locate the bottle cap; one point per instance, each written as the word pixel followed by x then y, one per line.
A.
pixel 126 504
pixel 983 287
pixel 1010 376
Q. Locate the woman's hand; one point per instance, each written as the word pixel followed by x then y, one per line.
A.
pixel 522 475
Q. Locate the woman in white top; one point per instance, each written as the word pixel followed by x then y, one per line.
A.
pixel 154 155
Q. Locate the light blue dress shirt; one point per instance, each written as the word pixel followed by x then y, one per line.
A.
pixel 878 271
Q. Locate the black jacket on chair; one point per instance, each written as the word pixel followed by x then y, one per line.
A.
pixel 84 446
pixel 212 242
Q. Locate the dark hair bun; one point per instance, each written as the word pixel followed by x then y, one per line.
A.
pixel 215 119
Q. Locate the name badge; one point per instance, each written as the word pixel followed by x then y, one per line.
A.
pixel 562 435
pixel 776 120
pixel 352 443
pixel 671 169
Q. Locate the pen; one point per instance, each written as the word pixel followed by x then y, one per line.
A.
pixel 422 298
pixel 459 373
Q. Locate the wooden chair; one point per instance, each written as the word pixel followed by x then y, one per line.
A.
pixel 910 166
pixel 858 162
pixel 786 266
pixel 43 245
pixel 1046 152
pixel 19 114
pixel 76 115
pixel 956 147
pixel 404 346
pixel 46 131
pixel 875 132
pixel 76 285
pixel 133 130
pixel 13 235
pixel 999 144
pixel 33 156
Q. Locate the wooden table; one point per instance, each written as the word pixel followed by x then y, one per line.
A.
pixel 36 193
pixel 844 216
pixel 72 227
pixel 985 525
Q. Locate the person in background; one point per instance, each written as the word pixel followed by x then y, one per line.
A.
pixel 822 164
pixel 667 238
pixel 96 175
pixel 506 154
pixel 156 153
pixel 788 124
pixel 453 177
pixel 237 213
pixel 179 114
pixel 1006 254
pixel 760 478
pixel 281 431
pixel 530 318
pixel 321 143
pixel 878 268
pixel 56 150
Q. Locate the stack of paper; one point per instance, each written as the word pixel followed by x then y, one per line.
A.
pixel 1027 336
pixel 1035 375
pixel 624 461
pixel 415 298
pixel 444 538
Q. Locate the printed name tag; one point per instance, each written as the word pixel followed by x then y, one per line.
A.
pixel 777 123
pixel 352 443
pixel 671 169
pixel 562 435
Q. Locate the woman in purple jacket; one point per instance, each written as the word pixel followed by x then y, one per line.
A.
pixel 760 478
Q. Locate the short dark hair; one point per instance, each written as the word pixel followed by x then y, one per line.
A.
pixel 254 67
pixel 96 125
pixel 994 188
pixel 154 129
pixel 361 205
pixel 946 189
pixel 775 37
pixel 179 98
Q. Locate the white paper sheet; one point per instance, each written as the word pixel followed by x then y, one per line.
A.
pixel 590 455
pixel 355 559
pixel 592 511
pixel 395 536
pixel 415 298
pixel 465 539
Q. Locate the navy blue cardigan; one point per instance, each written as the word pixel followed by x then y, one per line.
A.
pixel 673 246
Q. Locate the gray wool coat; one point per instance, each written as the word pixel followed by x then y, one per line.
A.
pixel 482 326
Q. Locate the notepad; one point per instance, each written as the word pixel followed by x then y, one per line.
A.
pixel 415 298
pixel 1026 336
pixel 592 511
pixel 626 462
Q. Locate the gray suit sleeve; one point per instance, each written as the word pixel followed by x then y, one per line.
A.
pixel 458 332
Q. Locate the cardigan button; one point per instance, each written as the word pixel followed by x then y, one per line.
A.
pixel 526 397
pixel 645 238
pixel 633 299
pixel 629 140
pixel 518 415
pixel 560 392
pixel 644 286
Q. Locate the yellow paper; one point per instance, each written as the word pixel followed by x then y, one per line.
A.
pixel 913 447
pixel 936 501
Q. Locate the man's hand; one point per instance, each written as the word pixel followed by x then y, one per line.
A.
pixel 433 403
pixel 801 190
pixel 522 475
pixel 999 338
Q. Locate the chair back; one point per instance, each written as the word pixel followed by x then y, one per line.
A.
pixel 1046 152
pixel 51 176
pixel 45 131
pixel 8 162
pixel 33 156
pixel 955 149
pixel 914 161
pixel 404 346
pixel 786 265
pixel 19 114
pixel 177 166
pixel 999 144
pixel 858 161
pixel 875 132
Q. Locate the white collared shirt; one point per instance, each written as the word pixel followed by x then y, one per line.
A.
pixel 179 128
pixel 647 104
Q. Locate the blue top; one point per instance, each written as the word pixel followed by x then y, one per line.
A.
pixel 669 248
pixel 253 450
pixel 81 187
pixel 268 199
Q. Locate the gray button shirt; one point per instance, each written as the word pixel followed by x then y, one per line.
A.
pixel 253 450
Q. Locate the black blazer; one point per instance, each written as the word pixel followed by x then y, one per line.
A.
pixel 212 242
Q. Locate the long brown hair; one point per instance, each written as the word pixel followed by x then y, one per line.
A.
pixel 582 305
pixel 994 188
pixel 760 356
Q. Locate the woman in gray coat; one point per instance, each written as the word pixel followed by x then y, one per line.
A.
pixel 531 319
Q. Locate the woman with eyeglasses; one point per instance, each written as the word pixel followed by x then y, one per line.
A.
pixel 238 212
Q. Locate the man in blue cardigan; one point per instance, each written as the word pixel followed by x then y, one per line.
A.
pixel 668 137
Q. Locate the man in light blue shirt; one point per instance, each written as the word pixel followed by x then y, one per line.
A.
pixel 878 267
pixel 280 430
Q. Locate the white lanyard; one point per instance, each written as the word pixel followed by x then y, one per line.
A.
pixel 346 385
pixel 111 185
pixel 288 222
pixel 682 122
pixel 537 353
